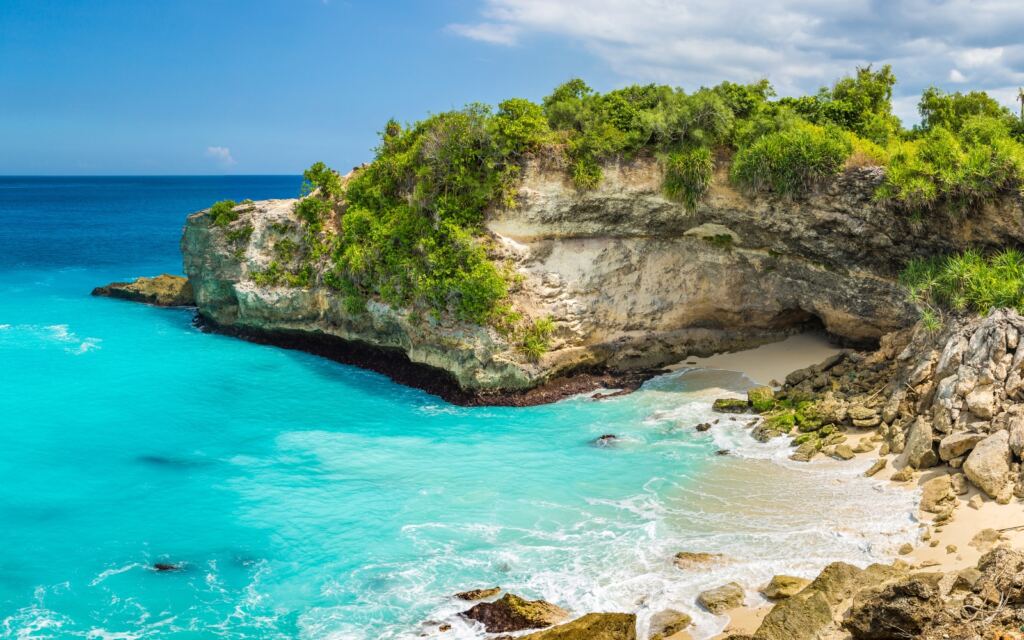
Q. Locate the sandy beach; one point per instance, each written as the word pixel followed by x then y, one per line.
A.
pixel 770 362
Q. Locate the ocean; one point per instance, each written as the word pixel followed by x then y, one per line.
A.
pixel 301 498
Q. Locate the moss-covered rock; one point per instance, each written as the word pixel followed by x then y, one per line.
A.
pixel 164 290
pixel 761 399
pixel 512 613
pixel 730 405
pixel 593 626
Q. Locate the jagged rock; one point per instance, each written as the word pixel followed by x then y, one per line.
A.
pixel 1015 427
pixel 163 291
pixel 593 626
pixel 695 559
pixel 605 440
pixel 876 466
pixel 478 594
pixel 704 426
pixel 906 548
pixel 986 539
pixel 957 444
pixel 860 412
pixel 906 474
pixel 988 466
pixel 721 599
pixel 975 502
pixel 937 493
pixel 904 609
pixel 807 614
pixel 1005 494
pixel 512 613
pixel 782 586
pixel 730 405
pixel 958 482
pixel 919 452
pixel 667 623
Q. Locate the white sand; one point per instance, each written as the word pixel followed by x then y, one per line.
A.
pixel 770 361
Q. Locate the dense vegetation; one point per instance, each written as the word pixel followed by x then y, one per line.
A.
pixel 968 281
pixel 407 229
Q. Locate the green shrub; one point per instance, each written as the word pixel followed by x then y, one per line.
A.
pixel 688 175
pixel 223 213
pixel 312 210
pixel 321 178
pixel 792 161
pixel 961 171
pixel 968 281
pixel 286 249
pixel 952 110
pixel 536 339
pixel 519 126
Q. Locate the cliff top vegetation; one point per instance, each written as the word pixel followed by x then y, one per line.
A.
pixel 407 227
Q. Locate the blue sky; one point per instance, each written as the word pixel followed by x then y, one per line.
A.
pixel 270 86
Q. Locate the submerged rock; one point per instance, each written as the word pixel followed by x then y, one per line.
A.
pixel 667 623
pixel 512 613
pixel 163 291
pixel 606 440
pixel 593 626
pixel 696 559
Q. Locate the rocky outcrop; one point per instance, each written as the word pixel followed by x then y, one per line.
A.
pixel 631 279
pixel 163 291
pixel 593 626
pixel 512 613
pixel 478 594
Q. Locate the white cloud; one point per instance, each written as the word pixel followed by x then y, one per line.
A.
pixel 797 44
pixel 222 155
pixel 487 32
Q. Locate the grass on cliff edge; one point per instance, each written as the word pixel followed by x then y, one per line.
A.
pixel 969 281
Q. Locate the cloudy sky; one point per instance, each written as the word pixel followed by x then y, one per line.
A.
pixel 269 86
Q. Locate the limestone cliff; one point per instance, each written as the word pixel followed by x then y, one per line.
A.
pixel 631 279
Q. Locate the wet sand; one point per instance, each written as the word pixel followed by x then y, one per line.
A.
pixel 771 361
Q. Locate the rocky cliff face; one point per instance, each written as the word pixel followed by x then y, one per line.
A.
pixel 631 279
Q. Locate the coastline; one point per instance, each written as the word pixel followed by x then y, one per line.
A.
pixel 953 546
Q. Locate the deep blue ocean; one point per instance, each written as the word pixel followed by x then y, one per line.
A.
pixel 306 499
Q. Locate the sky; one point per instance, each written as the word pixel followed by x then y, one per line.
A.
pixel 271 86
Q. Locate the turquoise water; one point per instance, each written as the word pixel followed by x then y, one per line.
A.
pixel 306 499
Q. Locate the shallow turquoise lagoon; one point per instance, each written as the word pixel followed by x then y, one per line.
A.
pixel 307 499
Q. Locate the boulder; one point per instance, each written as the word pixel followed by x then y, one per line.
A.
pixel 721 599
pixel 163 291
pixel 478 594
pixel 784 587
pixel 988 466
pixel 668 623
pixel 593 626
pixel 512 613
pixel 805 451
pixel 843 452
pixel 918 452
pixel 981 401
pixel 801 617
pixel 937 494
pixel 957 444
